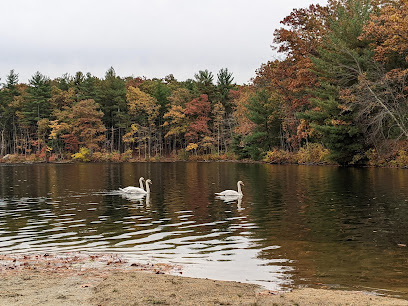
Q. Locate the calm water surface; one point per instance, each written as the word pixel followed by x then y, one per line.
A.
pixel 296 225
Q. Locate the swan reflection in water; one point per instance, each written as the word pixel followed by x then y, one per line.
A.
pixel 138 198
pixel 230 199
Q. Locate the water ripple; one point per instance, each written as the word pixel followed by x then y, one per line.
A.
pixel 294 224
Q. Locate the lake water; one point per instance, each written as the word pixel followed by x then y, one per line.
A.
pixel 295 225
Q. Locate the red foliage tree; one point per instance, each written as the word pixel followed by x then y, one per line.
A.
pixel 197 112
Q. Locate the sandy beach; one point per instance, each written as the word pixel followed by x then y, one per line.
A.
pixel 103 279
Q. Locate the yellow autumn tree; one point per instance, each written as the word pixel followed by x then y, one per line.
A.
pixel 88 124
pixel 143 109
pixel 175 123
pixel 80 124
pixel 241 98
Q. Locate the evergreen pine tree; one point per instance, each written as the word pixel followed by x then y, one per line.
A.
pixel 204 84
pixel 37 104
pixel 112 98
pixel 7 113
pixel 336 64
pixel 224 85
pixel 264 111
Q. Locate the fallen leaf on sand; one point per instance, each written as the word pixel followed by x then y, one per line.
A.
pixel 268 292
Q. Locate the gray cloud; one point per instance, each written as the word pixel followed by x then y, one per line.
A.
pixel 141 38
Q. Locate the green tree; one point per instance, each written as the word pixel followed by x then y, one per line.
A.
pixel 264 112
pixel 204 84
pixel 333 125
pixel 7 112
pixel 112 98
pixel 224 86
pixel 37 103
pixel 86 86
pixel 339 55
pixel 64 82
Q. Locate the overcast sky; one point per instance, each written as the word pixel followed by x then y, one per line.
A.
pixel 151 38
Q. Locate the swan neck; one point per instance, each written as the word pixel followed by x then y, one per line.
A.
pixel 239 188
pixel 147 187
pixel 141 183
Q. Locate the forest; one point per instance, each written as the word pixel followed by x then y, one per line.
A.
pixel 336 93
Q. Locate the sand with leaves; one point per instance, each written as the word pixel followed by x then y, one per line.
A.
pixel 106 279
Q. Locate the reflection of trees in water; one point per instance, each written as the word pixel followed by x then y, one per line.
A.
pixel 337 224
pixel 197 193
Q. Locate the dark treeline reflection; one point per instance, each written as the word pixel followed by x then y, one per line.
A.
pixel 294 225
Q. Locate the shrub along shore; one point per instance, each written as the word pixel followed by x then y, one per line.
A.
pixel 313 154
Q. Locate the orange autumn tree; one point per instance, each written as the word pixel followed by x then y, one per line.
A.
pixel 297 40
pixel 88 125
pixel 389 32
pixel 198 114
pixel 80 124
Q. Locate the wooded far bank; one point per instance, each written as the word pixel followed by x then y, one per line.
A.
pixel 339 95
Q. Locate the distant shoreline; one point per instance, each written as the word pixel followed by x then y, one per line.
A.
pixel 199 159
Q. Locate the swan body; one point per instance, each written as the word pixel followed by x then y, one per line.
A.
pixel 132 189
pixel 229 198
pixel 232 193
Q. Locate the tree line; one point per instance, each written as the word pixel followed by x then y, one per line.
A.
pixel 147 117
pixel 339 94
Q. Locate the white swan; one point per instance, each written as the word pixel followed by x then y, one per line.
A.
pixel 229 198
pixel 141 180
pixel 148 182
pixel 132 189
pixel 232 193
pixel 147 191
